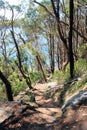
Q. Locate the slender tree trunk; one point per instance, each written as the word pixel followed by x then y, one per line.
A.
pixel 39 63
pixel 41 68
pixel 58 56
pixel 8 86
pixel 20 66
pixel 77 27
pixel 52 64
pixel 71 58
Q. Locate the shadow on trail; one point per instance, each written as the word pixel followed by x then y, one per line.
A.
pixel 62 95
pixel 65 89
pixel 29 121
pixel 47 116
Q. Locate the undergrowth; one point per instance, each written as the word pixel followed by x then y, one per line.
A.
pixel 18 83
pixel 34 76
pixel 80 71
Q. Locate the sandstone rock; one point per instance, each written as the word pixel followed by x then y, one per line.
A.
pixel 75 101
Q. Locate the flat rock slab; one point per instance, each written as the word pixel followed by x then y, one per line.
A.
pixel 3 115
pixel 76 100
pixel 8 109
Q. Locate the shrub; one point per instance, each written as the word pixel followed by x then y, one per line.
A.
pixel 80 67
pixel 19 86
pixel 34 76
pixel 61 76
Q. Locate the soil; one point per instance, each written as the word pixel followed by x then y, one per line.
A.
pixel 45 114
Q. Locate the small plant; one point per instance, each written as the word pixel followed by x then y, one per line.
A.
pixel 19 86
pixel 80 67
pixel 34 76
pixel 61 76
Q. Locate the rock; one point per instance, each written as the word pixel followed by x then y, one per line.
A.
pixel 75 101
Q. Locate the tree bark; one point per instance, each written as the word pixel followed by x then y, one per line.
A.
pixel 71 58
pixel 8 86
pixel 27 78
pixel 41 68
pixel 51 46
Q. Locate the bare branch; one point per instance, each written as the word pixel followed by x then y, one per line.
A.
pixel 52 14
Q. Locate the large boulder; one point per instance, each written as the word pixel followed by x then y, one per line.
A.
pixel 75 101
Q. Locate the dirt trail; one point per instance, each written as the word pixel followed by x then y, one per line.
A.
pixel 44 117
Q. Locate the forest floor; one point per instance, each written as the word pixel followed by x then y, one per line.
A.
pixel 45 114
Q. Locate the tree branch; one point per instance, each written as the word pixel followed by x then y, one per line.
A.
pixel 52 14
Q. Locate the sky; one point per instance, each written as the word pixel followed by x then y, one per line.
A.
pixel 14 2
pixel 8 13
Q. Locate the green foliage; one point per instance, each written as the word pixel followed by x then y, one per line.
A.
pixel 31 49
pixel 19 86
pixel 77 86
pixel 82 50
pixel 80 70
pixel 34 76
pixel 61 76
pixel 18 82
pixel 28 97
pixel 80 67
pixel 2 92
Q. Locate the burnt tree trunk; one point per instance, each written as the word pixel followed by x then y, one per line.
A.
pixel 71 58
pixel 8 86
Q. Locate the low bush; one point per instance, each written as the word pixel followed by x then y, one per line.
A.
pixel 80 67
pixel 34 76
pixel 60 76
pixel 19 86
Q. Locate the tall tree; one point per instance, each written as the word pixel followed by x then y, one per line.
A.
pixel 67 47
pixel 20 66
pixel 71 58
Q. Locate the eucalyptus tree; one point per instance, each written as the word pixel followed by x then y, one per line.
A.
pixel 60 10
pixel 31 26
pixel 3 53
pixel 19 64
pixel 35 53
pixel 49 33
pixel 56 10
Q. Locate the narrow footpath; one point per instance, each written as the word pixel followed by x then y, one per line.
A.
pixel 44 114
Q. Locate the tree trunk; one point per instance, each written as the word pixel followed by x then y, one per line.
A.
pixel 58 56
pixel 52 64
pixel 20 66
pixel 77 26
pixel 41 68
pixel 71 58
pixel 8 86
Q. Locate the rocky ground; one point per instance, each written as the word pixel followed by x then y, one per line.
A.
pixel 44 114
